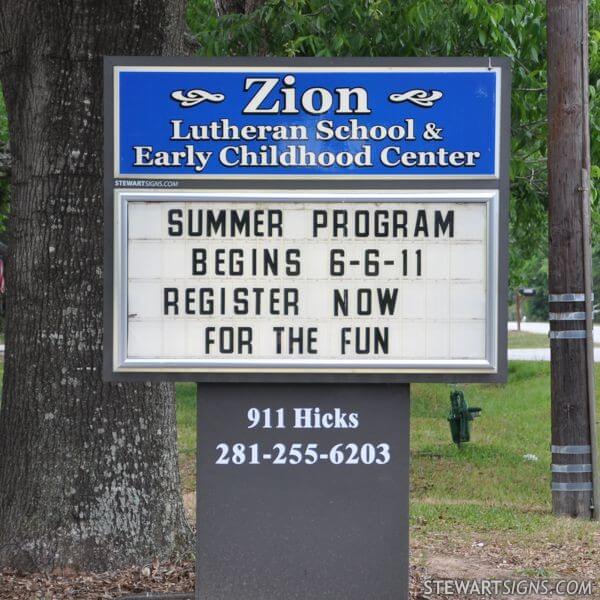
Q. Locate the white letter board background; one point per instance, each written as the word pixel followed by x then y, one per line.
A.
pixel 440 315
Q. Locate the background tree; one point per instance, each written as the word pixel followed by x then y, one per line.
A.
pixel 88 470
pixel 224 7
pixel 514 28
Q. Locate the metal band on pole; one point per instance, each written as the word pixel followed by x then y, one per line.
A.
pixel 567 297
pixel 580 486
pixel 575 334
pixel 587 468
pixel 571 449
pixel 567 316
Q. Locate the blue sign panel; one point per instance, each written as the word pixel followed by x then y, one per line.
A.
pixel 384 122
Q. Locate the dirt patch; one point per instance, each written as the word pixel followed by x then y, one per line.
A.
pixel 453 554
pixel 565 554
pixel 66 584
pixel 454 567
pixel 440 567
pixel 135 582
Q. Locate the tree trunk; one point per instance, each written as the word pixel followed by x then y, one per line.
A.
pixel 88 470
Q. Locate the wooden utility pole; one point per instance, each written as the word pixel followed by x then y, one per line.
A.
pixel 574 476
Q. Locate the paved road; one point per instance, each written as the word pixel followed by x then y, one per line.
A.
pixel 538 354
pixel 544 328
pixel 542 353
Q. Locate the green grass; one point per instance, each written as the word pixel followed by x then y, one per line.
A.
pixel 515 420
pixel 524 339
pixel 485 486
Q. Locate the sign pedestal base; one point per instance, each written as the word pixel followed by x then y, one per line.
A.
pixel 278 518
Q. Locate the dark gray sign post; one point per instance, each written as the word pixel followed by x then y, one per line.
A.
pixel 304 238
pixel 307 513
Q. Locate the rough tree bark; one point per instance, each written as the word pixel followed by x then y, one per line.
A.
pixel 88 470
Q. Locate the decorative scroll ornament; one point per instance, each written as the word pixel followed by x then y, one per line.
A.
pixel 418 97
pixel 193 97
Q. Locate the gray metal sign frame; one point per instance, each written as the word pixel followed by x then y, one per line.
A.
pixel 476 183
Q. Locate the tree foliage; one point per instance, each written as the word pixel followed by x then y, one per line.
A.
pixel 422 28
pixel 515 29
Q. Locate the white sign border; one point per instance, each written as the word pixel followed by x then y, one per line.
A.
pixel 123 364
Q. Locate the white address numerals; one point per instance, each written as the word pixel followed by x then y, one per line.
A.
pixel 303 454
